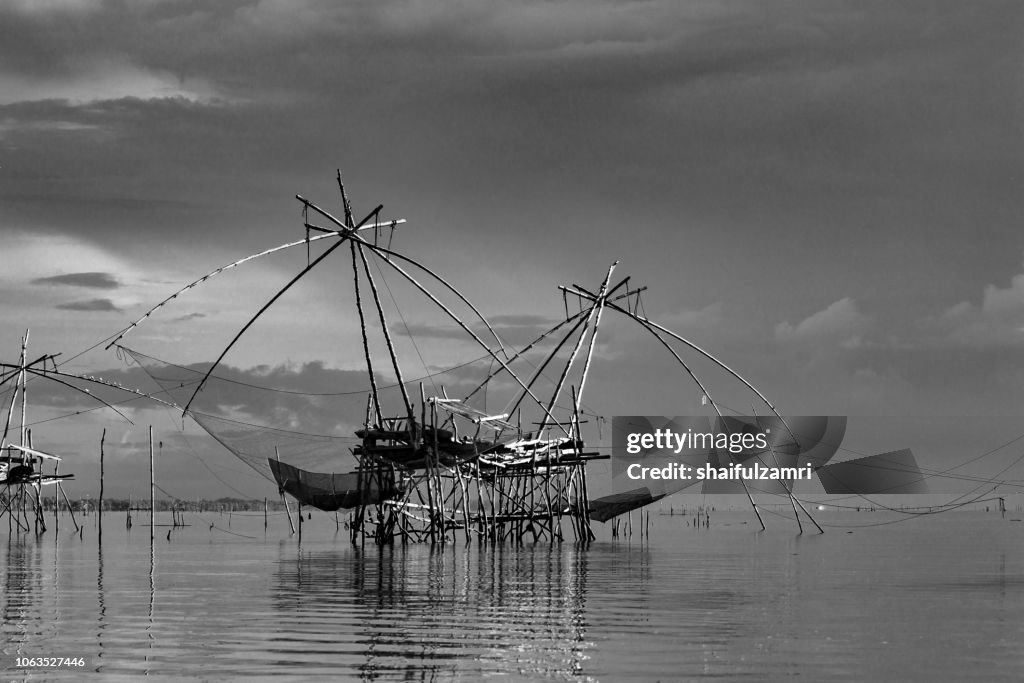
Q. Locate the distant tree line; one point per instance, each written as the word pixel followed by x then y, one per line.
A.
pixel 165 505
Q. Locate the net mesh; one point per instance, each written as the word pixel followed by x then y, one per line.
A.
pixel 313 431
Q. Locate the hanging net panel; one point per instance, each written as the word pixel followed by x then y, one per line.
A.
pixel 304 442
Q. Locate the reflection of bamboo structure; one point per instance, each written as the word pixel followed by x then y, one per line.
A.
pixel 500 598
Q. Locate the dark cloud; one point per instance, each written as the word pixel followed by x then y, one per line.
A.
pixel 105 305
pixel 797 178
pixel 190 316
pixel 92 280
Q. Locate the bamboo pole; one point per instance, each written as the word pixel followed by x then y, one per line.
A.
pixel 40 517
pixel 99 517
pixel 56 502
pixel 710 357
pixel 543 365
pixel 654 328
pixel 71 509
pixel 366 344
pixel 593 336
pixel 428 467
pixel 387 252
pixel 521 352
pixel 229 266
pixel 24 385
pixel 585 511
pixel 792 498
pixel 395 255
pixel 152 490
pixel 388 341
pixel 284 499
pixel 267 305
pixel 594 310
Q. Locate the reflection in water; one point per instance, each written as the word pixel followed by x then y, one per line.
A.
pixel 23 589
pixel 426 613
pixel 152 601
pixel 101 619
pixel 728 604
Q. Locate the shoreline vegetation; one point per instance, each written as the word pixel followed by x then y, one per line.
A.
pixel 89 505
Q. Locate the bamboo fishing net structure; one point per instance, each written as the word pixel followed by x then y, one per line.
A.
pixel 413 467
pixel 22 474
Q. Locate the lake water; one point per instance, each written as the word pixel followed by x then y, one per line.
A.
pixel 934 598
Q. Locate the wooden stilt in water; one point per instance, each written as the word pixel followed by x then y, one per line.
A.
pixel 99 518
pixel 56 501
pixel 284 499
pixel 152 490
pixel 70 508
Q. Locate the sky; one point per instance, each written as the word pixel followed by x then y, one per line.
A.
pixel 826 194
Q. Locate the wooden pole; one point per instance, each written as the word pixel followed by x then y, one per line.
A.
pixel 70 509
pixel 654 329
pixel 387 340
pixel 152 490
pixel 288 512
pixel 24 385
pixel 375 409
pixel 284 500
pixel 229 266
pixel 40 518
pixel 56 501
pixel 267 305
pixel 385 253
pixel 99 518
pixel 593 336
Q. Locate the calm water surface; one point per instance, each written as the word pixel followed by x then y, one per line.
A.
pixel 935 598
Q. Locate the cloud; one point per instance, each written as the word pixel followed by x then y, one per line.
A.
pixel 39 7
pixel 105 305
pixel 997 322
pixel 190 316
pixel 521 320
pixel 103 80
pixel 689 321
pixel 840 323
pixel 95 280
pixel 427 331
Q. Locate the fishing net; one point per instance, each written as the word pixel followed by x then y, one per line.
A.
pixel 276 422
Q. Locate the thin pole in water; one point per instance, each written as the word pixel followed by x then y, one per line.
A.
pixel 152 489
pixel 99 519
